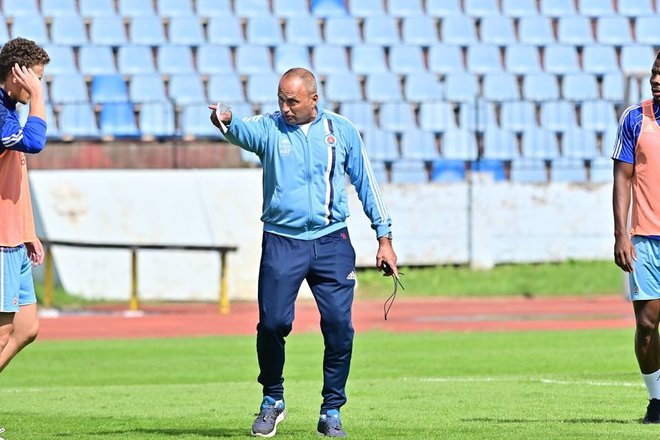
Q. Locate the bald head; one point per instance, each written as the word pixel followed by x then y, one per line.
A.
pixel 297 96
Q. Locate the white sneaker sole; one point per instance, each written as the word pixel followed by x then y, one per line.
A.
pixel 271 433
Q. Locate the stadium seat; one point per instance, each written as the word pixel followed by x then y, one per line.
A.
pixel 108 31
pixel 262 87
pixel 96 60
pixel 444 59
pixel 108 89
pixel 62 60
pixel 599 59
pixel 225 87
pixel 18 8
pixel 489 166
pixel 448 171
pixel 213 8
pixel 459 144
pixel 500 87
pixel 609 142
pixel 213 59
pixel 536 31
pixel 634 8
pixel 303 31
pixel 540 87
pixel 646 29
pixel 613 30
pixel 288 56
pixel 405 58
pixel 52 128
pixel 186 30
pixel 329 8
pixel 613 87
pixel 498 30
pixel 252 59
pixel 461 87
pixel 481 8
pixel 383 87
pixel 459 30
pixel 147 87
pixel 368 59
pixel 409 171
pixel 574 30
pixel 635 58
pixel 291 9
pixel 68 30
pixel 419 145
pixel 519 8
pixel 579 87
pixel 172 60
pixel 518 116
pixel 521 59
pixel 483 59
pixel 600 170
pixel 558 116
pixel 58 8
pixel 422 86
pixel 77 120
pixel 597 115
pixel 157 120
pixel 540 143
pixel 437 117
pixel 186 88
pixel 381 31
pixel 380 145
pixel 419 30
pixel 225 31
pixel 360 113
pixel 118 121
pixel 500 144
pixel 405 8
pixel 528 171
pixel 557 8
pixel 133 60
pixel 147 31
pixel 595 8
pixel 136 8
pixel 477 116
pixel 68 88
pixel 265 31
pixel 31 27
pixel 329 60
pixel 560 59
pixel 252 8
pixel 174 8
pixel 342 31
pixel 579 144
pixel 366 8
pixel 568 170
pixel 97 8
pixel 443 8
pixel 397 116
pixel 342 87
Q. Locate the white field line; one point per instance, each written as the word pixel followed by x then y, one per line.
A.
pixel 593 383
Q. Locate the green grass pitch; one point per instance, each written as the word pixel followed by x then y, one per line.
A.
pixel 538 385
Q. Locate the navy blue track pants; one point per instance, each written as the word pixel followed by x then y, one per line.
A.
pixel 328 264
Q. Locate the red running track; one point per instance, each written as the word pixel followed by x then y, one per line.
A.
pixel 407 315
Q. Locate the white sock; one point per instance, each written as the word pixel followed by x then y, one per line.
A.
pixel 652 382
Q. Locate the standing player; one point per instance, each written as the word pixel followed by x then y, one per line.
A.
pixel 21 68
pixel 637 166
pixel 306 153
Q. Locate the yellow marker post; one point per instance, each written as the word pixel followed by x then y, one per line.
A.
pixel 134 303
pixel 224 295
pixel 48 279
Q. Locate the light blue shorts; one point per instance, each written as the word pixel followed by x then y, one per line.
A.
pixel 645 278
pixel 16 285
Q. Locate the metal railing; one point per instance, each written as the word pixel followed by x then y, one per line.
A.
pixel 134 303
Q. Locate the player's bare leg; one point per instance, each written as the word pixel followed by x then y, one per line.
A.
pixel 6 327
pixel 25 329
pixel 647 349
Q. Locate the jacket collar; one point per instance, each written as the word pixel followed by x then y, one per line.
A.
pixel 7 101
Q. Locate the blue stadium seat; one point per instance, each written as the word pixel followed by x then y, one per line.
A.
pixel 52 128
pixel 461 87
pixel 613 87
pixel 579 144
pixel 17 8
pixel 147 87
pixel 568 170
pixel 579 87
pixel 186 30
pixel 459 30
pixel 601 170
pixel 31 27
pixel 561 59
pixel 147 31
pixel 62 60
pixel 225 87
pixel 500 144
pixel 443 8
pixel 108 89
pixel 303 31
pixel 409 171
pixel 342 87
pixel 634 8
pixel 536 31
pixel 380 145
pixel 419 145
pixel 448 171
pixel 647 29
pixel 422 86
pixel 132 60
pixel 174 8
pixel 484 58
pixel 288 56
pixel 368 59
pixel 595 8
pixel 397 116
pixel 118 121
pixel 557 8
pixel 481 8
pixel 437 117
pixel 186 88
pixel 366 8
pixel 213 8
pixel 405 8
pixel 459 144
pixel 518 116
pixel 500 87
pixel 328 8
pixel 108 31
pixel 172 60
pixel 558 116
pixel 519 8
pixel 598 115
pixel 157 120
pixel 405 58
pixel 58 8
pixel 329 60
pixel 521 59
pixel 609 142
pixel 264 31
pixel 529 171
pixel 477 116
pixel 96 60
pixel 77 120
pixel 136 8
pixel 97 8
pixel 574 30
pixel 212 59
pixel 252 8
pixel 253 59
pixel 68 88
pixel 599 59
pixel 635 58
pixel 498 30
pixel 382 87
pixel 291 9
pixel 444 59
pixel 419 30
pixel 613 30
pixel 360 113
pixel 342 31
pixel 225 30
pixel 540 87
pixel 381 30
pixel 540 143
pixel 489 166
pixel 69 30
pixel 262 87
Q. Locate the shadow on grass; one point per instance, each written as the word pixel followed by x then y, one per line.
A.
pixel 575 421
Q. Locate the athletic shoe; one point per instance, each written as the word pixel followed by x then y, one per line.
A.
pixel 330 424
pixel 272 412
pixel 652 412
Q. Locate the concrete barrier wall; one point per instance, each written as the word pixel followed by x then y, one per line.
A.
pixel 483 224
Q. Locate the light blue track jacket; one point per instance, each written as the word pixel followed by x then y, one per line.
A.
pixel 304 183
